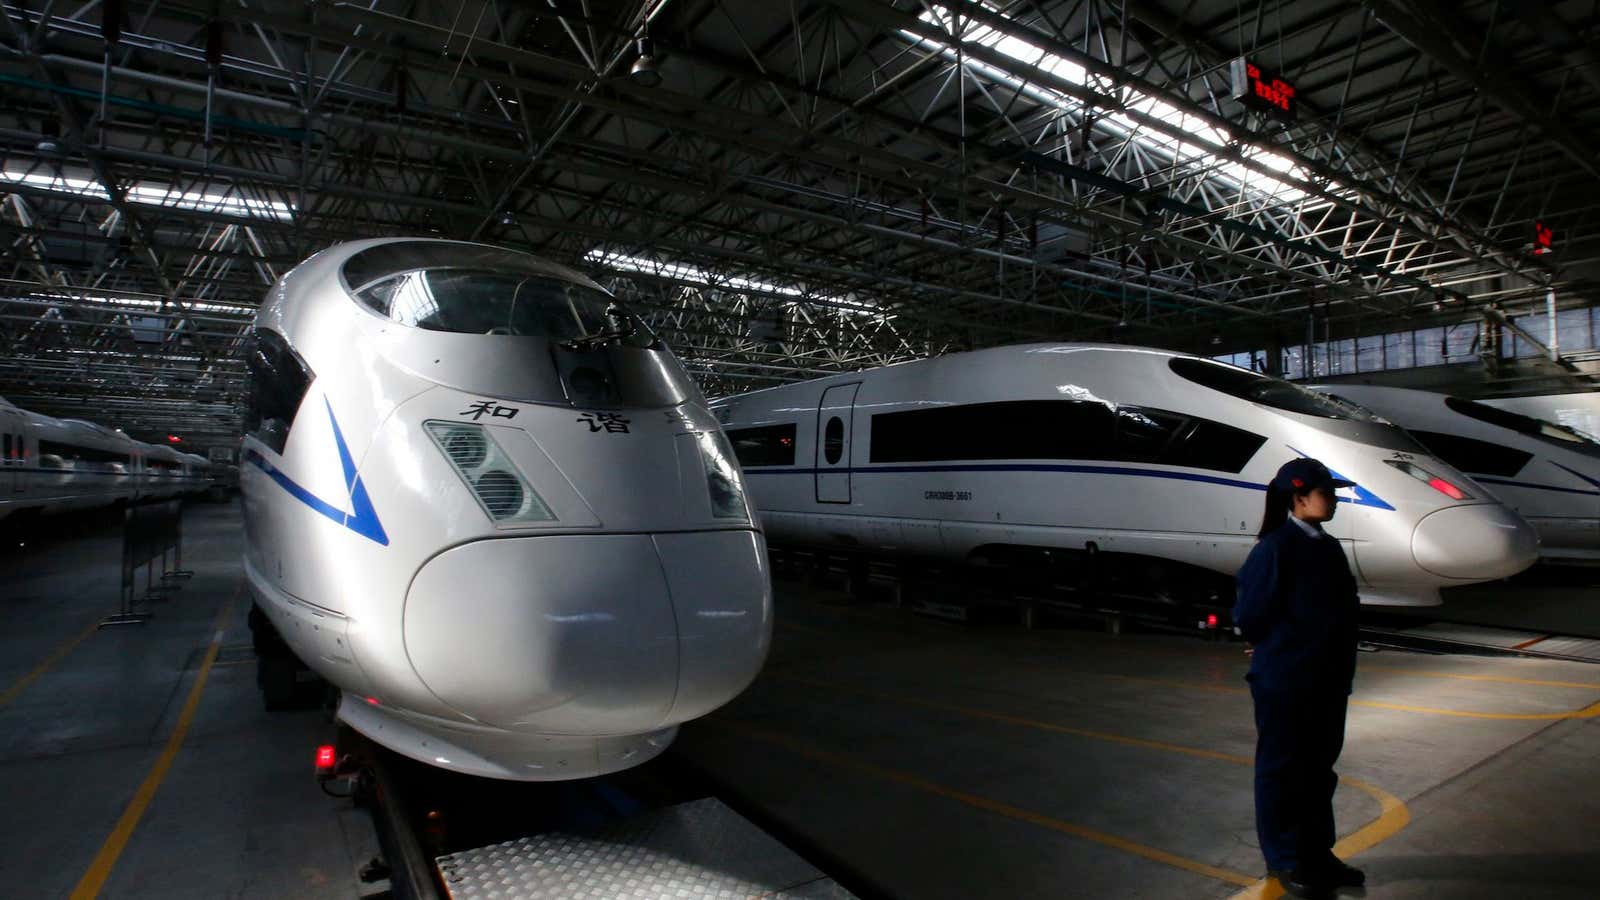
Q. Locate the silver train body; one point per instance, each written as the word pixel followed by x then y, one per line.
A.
pixel 484 502
pixel 1548 473
pixel 54 466
pixel 1159 458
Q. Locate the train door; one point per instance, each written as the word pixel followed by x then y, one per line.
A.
pixel 12 459
pixel 835 416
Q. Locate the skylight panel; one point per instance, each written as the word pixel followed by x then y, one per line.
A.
pixel 1185 140
pixel 683 272
pixel 149 193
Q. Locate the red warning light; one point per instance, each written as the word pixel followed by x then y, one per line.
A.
pixel 174 439
pixel 326 757
pixel 1211 620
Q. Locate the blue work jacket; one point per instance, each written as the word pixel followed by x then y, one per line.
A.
pixel 1297 604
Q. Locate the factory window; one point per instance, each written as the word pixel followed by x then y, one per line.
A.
pixel 1267 391
pixel 278 382
pixel 1473 456
pixel 1060 429
pixel 1528 425
pixel 833 440
pixel 771 445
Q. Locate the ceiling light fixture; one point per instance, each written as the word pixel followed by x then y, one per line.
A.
pixel 644 72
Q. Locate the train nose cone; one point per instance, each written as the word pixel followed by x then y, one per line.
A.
pixel 1478 542
pixel 576 635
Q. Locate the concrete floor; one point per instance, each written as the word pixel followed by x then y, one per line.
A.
pixel 912 758
pixel 237 814
pixel 929 760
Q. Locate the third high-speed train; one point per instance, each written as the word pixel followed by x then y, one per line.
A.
pixel 1152 459
pixel 1548 473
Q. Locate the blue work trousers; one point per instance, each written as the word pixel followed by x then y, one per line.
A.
pixel 1298 738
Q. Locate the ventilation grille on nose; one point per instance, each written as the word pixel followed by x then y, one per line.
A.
pixel 486 470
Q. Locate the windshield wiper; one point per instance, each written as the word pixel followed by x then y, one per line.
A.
pixel 623 327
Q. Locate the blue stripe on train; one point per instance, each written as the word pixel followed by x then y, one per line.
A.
pixel 363 519
pixel 1363 496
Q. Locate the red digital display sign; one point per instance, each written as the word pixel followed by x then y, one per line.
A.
pixel 1543 236
pixel 1256 87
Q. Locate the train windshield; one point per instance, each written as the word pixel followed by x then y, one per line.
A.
pixel 1273 392
pixel 1560 435
pixel 469 300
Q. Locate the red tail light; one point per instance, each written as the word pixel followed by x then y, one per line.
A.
pixel 327 758
pixel 1211 620
pixel 1446 488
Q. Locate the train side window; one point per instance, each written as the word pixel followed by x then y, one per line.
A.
pixel 770 445
pixel 278 383
pixel 1143 434
pixel 1213 445
pixel 8 447
pixel 1017 429
pixel 1474 456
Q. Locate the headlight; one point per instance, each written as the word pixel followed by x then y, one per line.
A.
pixel 489 473
pixel 722 476
pixel 1439 484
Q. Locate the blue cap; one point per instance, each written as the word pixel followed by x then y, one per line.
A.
pixel 1305 473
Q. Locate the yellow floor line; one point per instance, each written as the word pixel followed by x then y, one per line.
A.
pixel 987 804
pixel 100 869
pixel 56 656
pixel 1392 816
pixel 1501 679
pixel 1587 712
pixel 1392 812
pixel 1018 720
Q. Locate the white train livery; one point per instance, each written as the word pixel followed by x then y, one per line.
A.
pixel 487 504
pixel 1548 473
pixel 52 466
pixel 1153 460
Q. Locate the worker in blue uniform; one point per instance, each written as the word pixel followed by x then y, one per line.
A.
pixel 1297 607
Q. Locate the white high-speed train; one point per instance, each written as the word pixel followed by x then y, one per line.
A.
pixel 1548 473
pixel 64 465
pixel 1149 459
pixel 487 504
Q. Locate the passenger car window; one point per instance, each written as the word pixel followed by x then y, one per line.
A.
pixel 1060 429
pixel 770 445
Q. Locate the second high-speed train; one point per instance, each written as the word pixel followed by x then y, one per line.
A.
pixel 52 466
pixel 1152 459
pixel 487 504
pixel 1548 473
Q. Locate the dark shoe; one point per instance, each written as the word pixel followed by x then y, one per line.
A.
pixel 1341 874
pixel 1305 884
